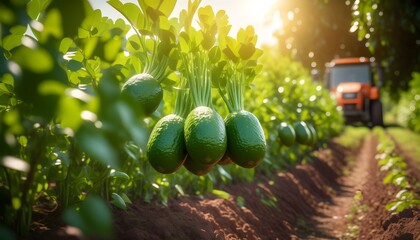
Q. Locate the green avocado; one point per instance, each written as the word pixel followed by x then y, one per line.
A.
pixel 166 150
pixel 314 135
pixel 144 91
pixel 196 167
pixel 246 141
pixel 205 135
pixel 287 134
pixel 303 134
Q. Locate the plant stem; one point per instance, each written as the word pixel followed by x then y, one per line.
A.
pixel 25 212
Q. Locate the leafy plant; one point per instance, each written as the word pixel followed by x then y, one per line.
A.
pixel 71 136
pixel 395 167
pixel 246 141
pixel 152 44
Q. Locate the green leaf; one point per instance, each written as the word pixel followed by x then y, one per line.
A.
pixel 224 173
pixel 145 4
pixel 127 119
pixel 82 33
pixel 52 26
pixel 8 80
pixel 391 176
pixel 65 45
pixel 18 30
pixel 5 90
pixel 246 51
pixel 208 41
pixel 167 6
pixel 35 60
pixel 164 23
pixel 94 25
pixel 165 48
pixel 35 7
pixel 184 41
pixel 133 44
pixel 94 143
pixel 49 87
pixel 117 174
pixel 179 189
pixel 231 49
pixel 69 113
pixel 112 48
pixel 14 39
pixel 221 194
pixel 142 24
pixel 118 201
pixel 118 5
pixel 94 217
pixel 206 15
pixel 215 54
pixel 120 28
pixel 401 193
pixel 130 11
pixel 126 198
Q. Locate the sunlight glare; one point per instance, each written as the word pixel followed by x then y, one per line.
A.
pixel 290 15
pixel 15 163
pixel 241 13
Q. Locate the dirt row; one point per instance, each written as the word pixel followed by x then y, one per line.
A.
pixel 377 222
pixel 309 201
pixel 275 207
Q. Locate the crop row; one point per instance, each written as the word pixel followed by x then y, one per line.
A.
pixel 396 173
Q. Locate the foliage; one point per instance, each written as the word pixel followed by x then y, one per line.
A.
pixel 64 126
pixel 68 136
pixel 316 31
pixel 355 216
pixel 408 108
pixel 284 92
pixel 407 140
pixel 392 31
pixel 396 170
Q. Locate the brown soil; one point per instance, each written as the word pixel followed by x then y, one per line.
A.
pixel 309 201
pixel 296 194
pixel 378 223
pixel 333 218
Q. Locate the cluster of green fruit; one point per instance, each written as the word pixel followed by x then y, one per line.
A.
pixel 301 132
pixel 195 135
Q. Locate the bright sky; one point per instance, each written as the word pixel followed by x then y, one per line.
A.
pixel 241 13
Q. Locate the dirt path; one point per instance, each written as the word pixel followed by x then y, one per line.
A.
pixel 331 220
pixel 342 217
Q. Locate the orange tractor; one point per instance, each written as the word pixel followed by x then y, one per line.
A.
pixel 352 81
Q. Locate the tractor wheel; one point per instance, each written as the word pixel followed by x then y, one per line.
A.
pixel 376 113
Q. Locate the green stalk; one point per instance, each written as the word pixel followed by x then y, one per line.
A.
pixel 228 103
pixel 153 67
pixel 182 101
pixel 24 214
pixel 234 89
pixel 197 74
